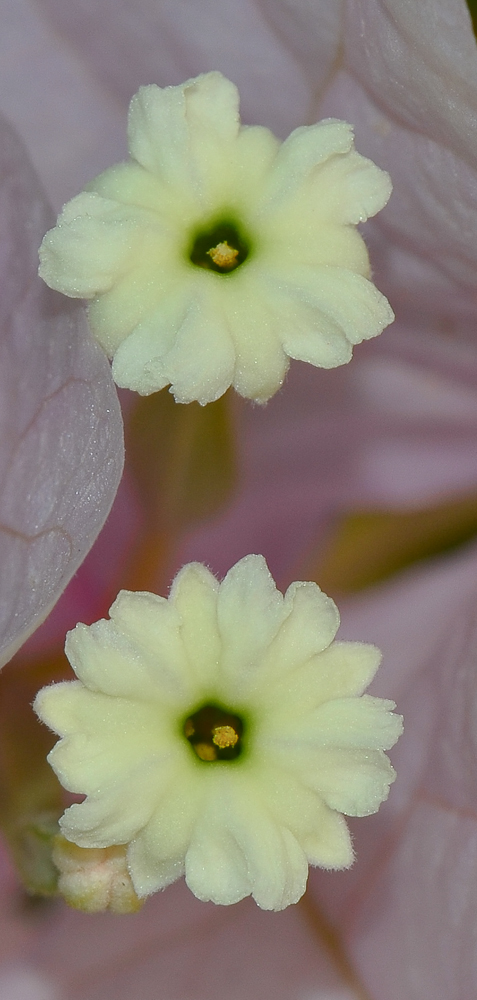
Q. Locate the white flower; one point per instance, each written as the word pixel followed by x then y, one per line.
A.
pixel 216 253
pixel 221 733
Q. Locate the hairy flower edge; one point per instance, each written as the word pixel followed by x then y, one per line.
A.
pixel 216 254
pixel 222 733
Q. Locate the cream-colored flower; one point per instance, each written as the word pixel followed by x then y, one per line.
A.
pixel 216 253
pixel 221 733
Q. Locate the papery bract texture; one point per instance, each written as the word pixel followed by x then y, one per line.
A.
pixel 216 254
pixel 221 733
pixel 61 448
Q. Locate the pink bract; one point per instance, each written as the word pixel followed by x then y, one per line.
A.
pixel 60 424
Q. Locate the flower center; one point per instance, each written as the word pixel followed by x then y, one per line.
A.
pixel 214 733
pixel 221 248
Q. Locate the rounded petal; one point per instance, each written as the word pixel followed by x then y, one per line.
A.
pixel 260 361
pixel 253 155
pixel 308 335
pixel 297 807
pixel 106 660
pixel 137 362
pixel 200 364
pixel 114 814
pixel 344 190
pixel 238 848
pixel 157 652
pixel 306 148
pixel 310 625
pixel 249 613
pixel 347 299
pixel 156 856
pixel 296 235
pixel 179 133
pixel 354 782
pixel 329 846
pixel 91 245
pixel 194 598
pixel 350 189
pixel 215 867
pixel 104 738
pixel 150 300
pixel 131 184
pixel 361 723
pixel 343 670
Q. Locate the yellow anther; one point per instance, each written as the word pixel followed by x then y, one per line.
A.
pixel 223 255
pixel 224 736
pixel 205 751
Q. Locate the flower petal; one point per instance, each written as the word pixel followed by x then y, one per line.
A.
pixel 302 152
pixel 139 361
pixel 200 363
pixel 151 297
pixel 361 723
pixel 179 133
pixel 311 623
pixel 343 670
pixel 215 867
pixel 353 782
pixel 329 846
pixel 347 299
pixel 344 190
pixel 254 153
pixel 92 243
pixel 297 807
pixel 249 612
pixel 260 361
pixel 156 855
pixel 237 848
pixel 308 335
pixel 103 737
pixel 194 597
pixel 298 236
pixel 130 184
pixel 350 189
pixel 113 815
pixel 106 660
pixel 158 654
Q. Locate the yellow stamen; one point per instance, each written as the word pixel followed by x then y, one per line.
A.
pixel 205 751
pixel 224 736
pixel 223 255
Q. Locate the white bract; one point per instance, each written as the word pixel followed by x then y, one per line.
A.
pixel 216 254
pixel 221 733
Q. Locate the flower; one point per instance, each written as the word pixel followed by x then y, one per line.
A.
pixel 221 733
pixel 216 254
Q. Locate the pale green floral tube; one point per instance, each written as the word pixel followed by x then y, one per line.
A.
pixel 216 254
pixel 221 734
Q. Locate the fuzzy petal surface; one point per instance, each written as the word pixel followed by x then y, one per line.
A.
pixel 221 734
pixel 147 234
